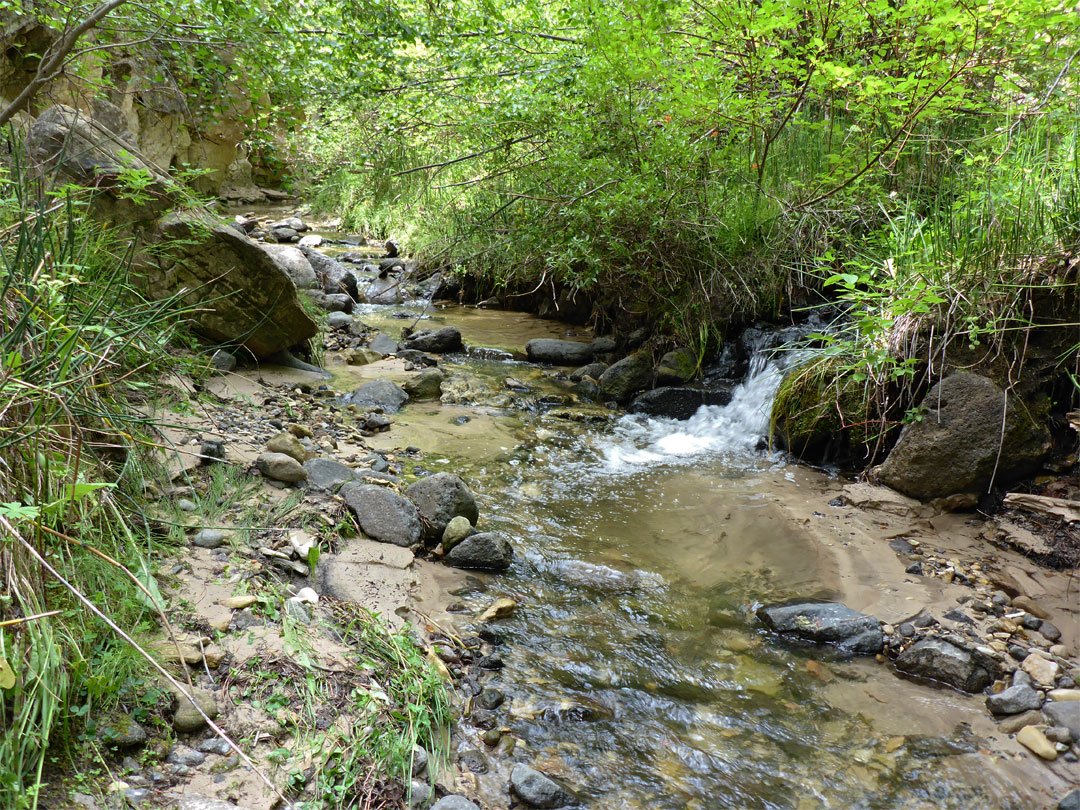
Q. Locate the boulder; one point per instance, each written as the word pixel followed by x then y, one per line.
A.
pixel 339 321
pixel 940 660
pixel 436 341
pixel 326 474
pixel 296 265
pixel 239 294
pixel 593 370
pixel 558 352
pixel 334 276
pixel 677 367
pixel 378 394
pixel 825 623
pixel 362 357
pixel 383 515
pixel 440 498
pixel 292 223
pixel 626 377
pixel 537 790
pixel 959 441
pixel 330 302
pixel 384 291
pixel 676 403
pixel 490 551
pixel 425 385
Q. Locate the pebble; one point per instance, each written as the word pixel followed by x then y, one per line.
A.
pixel 492 736
pixel 184 505
pixel 1064 695
pixel 188 757
pixel 215 745
pixel 209 538
pixel 1035 741
pixel 1042 670
pixel 238 602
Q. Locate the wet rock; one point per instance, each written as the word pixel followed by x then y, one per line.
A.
pixel 435 341
pixel 1071 801
pixel 384 290
pixel 209 538
pixel 288 444
pixel 825 623
pixel 280 467
pixel 558 352
pixel 326 474
pixel 362 357
pixel 593 370
pixel 676 403
pixel 454 803
pixel 187 718
pixel 121 731
pixel 1035 741
pixel 626 377
pixel 537 790
pixel 473 760
pixel 439 499
pixel 489 699
pixel 1015 699
pixel 677 367
pixel 425 385
pixel 378 394
pixel 962 423
pixel 296 265
pixel 1064 713
pixel 499 609
pixel 456 530
pixel 941 660
pixel 491 737
pixel 292 223
pixel 383 514
pixel 604 345
pixel 486 551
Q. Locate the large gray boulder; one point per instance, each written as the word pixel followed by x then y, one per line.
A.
pixel 825 623
pixel 559 352
pixel 379 394
pixel 237 293
pixel 334 276
pixel 436 341
pixel 383 515
pixel 439 499
pixel 959 442
pixel 625 378
pixel 296 265
pixel 938 659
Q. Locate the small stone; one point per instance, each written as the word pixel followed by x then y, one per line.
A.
pixel 490 699
pixel 209 538
pixel 1017 652
pixel 185 505
pixel 187 718
pixel 1070 801
pixel 454 803
pixel 188 757
pixel 1035 741
pixel 1015 699
pixel 215 745
pixel 1064 695
pixel 1049 631
pixel 1042 670
pixel 281 467
pixel 137 797
pixel 1029 605
pixel 419 760
pixel 915 568
pixel 238 602
pixel 1059 734
pixel 456 530
pixel 222 361
pixel 491 662
pixel 491 737
pixel 499 609
pixel 419 793
pixel 211 451
pixel 907 630
pixel 1065 714
pixel 300 431
pixel 537 790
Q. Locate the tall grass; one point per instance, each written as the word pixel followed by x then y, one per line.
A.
pixel 75 342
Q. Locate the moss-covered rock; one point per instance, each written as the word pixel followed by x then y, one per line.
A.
pixel 677 367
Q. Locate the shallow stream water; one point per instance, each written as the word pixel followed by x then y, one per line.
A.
pixel 634 666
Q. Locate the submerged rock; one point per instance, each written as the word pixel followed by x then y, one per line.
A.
pixel 537 790
pixel 825 623
pixel 383 515
pixel 941 660
pixel 558 352
pixel 958 445
pixel 425 385
pixel 676 403
pixel 486 551
pixel 622 380
pixel 439 499
pixel 378 394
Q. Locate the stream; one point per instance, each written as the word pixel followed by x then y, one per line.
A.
pixel 634 668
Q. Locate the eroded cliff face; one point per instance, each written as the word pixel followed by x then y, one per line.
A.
pixel 156 113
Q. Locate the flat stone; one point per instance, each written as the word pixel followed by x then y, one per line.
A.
pixel 1011 725
pixel 1035 741
pixel 383 514
pixel 537 790
pixel 121 731
pixel 676 402
pixel 436 341
pixel 940 660
pixel 499 609
pixel 558 352
pixel 378 394
pixel 326 474
pixel 425 385
pixel 1026 603
pixel 238 602
pixel 201 803
pixel 825 623
pixel 188 757
pixel 1042 670
pixel 1064 695
pixel 1064 714
pixel 1070 801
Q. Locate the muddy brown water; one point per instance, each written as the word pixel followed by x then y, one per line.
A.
pixel 634 668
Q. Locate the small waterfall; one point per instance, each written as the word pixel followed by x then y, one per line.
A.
pixel 733 429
